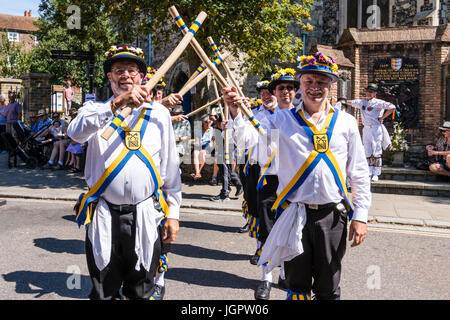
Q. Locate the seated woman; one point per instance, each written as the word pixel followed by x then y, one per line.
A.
pixel 203 140
pixel 59 137
pixel 441 151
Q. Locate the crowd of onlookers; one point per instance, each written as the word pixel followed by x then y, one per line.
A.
pixel 195 140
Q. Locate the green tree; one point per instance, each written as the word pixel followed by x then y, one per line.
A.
pixel 257 28
pixel 15 60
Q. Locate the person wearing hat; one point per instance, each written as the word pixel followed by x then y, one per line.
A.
pixel 318 147
pixel 341 104
pixel 375 136
pixel 133 178
pixel 441 151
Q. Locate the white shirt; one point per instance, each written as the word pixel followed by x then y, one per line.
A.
pixel 371 110
pixel 133 185
pixel 294 146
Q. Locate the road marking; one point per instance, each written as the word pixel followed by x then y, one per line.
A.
pixel 429 232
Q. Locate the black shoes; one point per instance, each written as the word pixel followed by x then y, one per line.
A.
pixel 239 190
pixel 244 228
pixel 254 259
pixel 282 283
pixel 262 291
pixel 158 292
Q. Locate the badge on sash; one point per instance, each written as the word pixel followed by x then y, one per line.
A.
pixel 132 140
pixel 320 142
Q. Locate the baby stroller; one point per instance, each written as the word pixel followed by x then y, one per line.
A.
pixel 29 150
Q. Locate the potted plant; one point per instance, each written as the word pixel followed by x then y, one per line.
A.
pixel 399 145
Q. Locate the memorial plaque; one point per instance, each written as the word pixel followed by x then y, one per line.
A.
pixel 396 70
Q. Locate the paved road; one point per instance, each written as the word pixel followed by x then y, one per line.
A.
pixel 42 249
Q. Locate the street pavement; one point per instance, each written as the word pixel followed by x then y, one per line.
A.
pixel 400 210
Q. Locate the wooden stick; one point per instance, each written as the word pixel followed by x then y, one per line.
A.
pixel 164 68
pixel 225 65
pixel 203 107
pixel 226 153
pixel 216 91
pixel 204 57
pixel 189 85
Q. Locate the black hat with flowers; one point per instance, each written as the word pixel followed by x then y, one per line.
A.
pixel 319 64
pixel 124 53
pixel 283 75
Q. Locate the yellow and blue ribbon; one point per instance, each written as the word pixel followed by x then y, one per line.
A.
pixel 84 215
pixel 314 158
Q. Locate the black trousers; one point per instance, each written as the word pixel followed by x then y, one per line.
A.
pixel 265 198
pixel 250 194
pixel 318 268
pixel 121 272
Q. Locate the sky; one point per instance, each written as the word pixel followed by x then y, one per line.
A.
pixel 17 7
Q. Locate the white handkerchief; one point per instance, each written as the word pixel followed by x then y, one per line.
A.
pixel 285 239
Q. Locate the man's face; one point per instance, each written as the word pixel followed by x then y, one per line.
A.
pixel 2 101
pixel 12 98
pixel 284 92
pixel 315 88
pixel 267 98
pixel 123 75
pixel 370 94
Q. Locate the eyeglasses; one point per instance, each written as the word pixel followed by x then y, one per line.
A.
pixel 131 71
pixel 281 88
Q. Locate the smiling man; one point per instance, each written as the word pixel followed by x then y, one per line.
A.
pixel 319 147
pixel 133 178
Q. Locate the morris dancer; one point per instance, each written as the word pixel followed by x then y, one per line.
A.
pixel 318 147
pixel 123 238
pixel 375 136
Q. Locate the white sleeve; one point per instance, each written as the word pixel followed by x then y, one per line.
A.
pixel 170 170
pixel 358 172
pixel 92 117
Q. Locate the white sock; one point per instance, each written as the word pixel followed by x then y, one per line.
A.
pixel 60 163
pixel 50 162
pixel 159 279
pixel 266 276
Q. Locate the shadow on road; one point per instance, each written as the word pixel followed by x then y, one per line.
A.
pixel 188 250
pixel 210 278
pixel 207 226
pixel 60 246
pixel 40 283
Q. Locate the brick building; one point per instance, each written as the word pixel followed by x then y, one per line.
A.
pixel 19 29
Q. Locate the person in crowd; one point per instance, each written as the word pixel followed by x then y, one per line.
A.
pixel 182 131
pixel 2 122
pixel 60 142
pixel 68 95
pixel 204 141
pixel 441 151
pixel 34 122
pixel 13 113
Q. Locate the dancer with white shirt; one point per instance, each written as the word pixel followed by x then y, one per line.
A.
pixel 375 136
pixel 133 178
pixel 318 146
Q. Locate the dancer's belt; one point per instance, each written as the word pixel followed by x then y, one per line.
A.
pixel 126 208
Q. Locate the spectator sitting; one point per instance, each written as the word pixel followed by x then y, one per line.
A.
pixel 441 152
pixel 59 146
pixel 204 138
pixel 44 120
pixel 34 122
pixel 182 132
pixel 75 151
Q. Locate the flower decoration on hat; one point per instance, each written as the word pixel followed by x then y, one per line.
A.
pixel 262 84
pixel 255 102
pixel 124 50
pixel 284 74
pixel 316 60
pixel 150 73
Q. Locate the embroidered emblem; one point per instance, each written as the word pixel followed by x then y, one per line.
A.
pixel 133 140
pixel 369 108
pixel 321 142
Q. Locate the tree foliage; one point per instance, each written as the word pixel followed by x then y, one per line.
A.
pixel 258 28
pixel 14 59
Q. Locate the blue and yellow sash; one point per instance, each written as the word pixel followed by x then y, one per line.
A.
pixel 84 214
pixel 320 140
